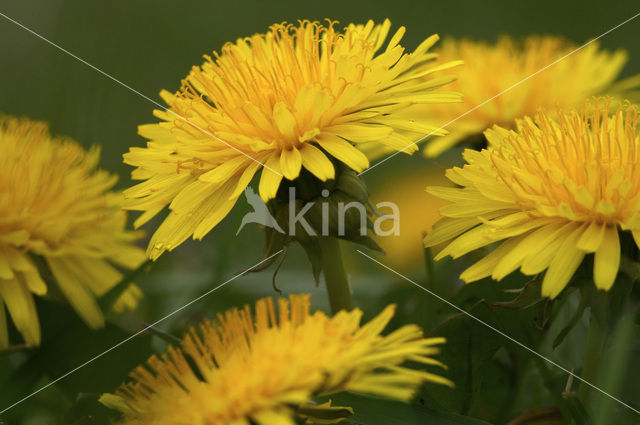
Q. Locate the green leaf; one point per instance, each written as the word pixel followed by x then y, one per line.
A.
pixel 569 405
pixel 109 299
pixel 571 324
pixel 576 409
pixel 324 413
pixel 615 369
pixel 468 355
pixel 68 345
pixel 528 296
pixel 88 411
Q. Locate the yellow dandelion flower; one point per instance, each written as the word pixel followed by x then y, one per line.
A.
pixel 554 190
pixel 255 368
pixel 55 205
pixel 491 69
pixel 290 99
pixel 403 244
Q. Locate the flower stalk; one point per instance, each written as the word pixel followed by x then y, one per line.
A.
pixel 335 276
pixel 593 351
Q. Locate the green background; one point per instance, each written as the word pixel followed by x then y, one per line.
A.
pixel 151 45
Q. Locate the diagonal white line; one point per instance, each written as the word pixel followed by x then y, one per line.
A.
pixel 449 303
pixel 501 93
pixel 136 334
pixel 136 92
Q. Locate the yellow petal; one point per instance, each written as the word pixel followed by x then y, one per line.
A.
pixel 215 209
pixel 245 179
pixel 636 236
pixel 528 246
pixel 448 228
pixel 357 133
pixel 290 163
pixel 273 417
pixel 18 238
pixel 6 272
pixel 269 180
pixel 34 282
pixel 607 259
pixel 4 331
pixel 22 309
pixel 485 267
pixel 317 162
pixel 192 195
pixel 344 151
pixel 592 237
pixel 225 171
pixel 75 291
pixel 539 260
pixel 563 265
pixel 285 121
pixel 99 275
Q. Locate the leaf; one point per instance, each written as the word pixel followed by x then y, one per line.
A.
pixel 375 411
pixel 569 405
pixel 88 411
pixel 571 324
pixel 70 347
pixel 468 355
pixel 314 254
pixel 109 299
pixel 542 313
pixel 528 296
pixel 324 413
pixel 615 370
pixel 576 409
pixel 541 415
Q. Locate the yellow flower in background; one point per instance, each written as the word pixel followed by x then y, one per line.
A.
pixel 418 212
pixel 258 368
pixel 289 99
pixel 55 204
pixel 492 68
pixel 554 190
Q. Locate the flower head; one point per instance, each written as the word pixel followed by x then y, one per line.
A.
pixel 278 102
pixel 554 190
pixel 56 205
pixel 490 70
pixel 256 368
pixel 402 244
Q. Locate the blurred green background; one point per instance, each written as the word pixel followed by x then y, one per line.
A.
pixel 151 45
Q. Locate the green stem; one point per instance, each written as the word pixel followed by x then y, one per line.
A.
pixel 592 354
pixel 335 275
pixel 428 302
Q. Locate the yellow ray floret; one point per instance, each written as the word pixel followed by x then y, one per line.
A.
pixel 55 204
pixel 278 102
pixel 554 190
pixel 256 368
pixel 489 70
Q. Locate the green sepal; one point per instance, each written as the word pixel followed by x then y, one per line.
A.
pixel 527 296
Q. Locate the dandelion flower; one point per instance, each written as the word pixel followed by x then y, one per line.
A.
pixel 491 69
pixel 55 205
pixel 279 102
pixel 403 243
pixel 257 368
pixel 553 190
